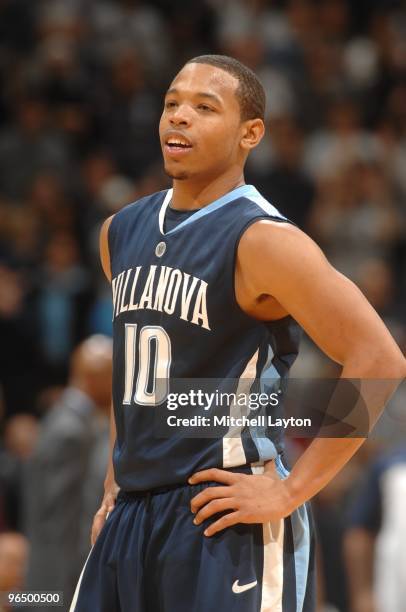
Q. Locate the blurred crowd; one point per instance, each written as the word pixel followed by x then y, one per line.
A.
pixel 81 86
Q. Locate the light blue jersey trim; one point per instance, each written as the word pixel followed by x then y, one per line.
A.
pixel 247 191
pixel 266 206
pixel 239 192
pixel 266 448
pixel 301 543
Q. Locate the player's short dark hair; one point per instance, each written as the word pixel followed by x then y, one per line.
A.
pixel 250 92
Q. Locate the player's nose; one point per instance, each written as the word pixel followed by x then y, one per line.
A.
pixel 180 116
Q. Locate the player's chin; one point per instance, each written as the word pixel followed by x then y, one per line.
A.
pixel 179 174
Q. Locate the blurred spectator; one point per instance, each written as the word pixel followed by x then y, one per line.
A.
pixel 376 280
pixel 9 491
pixel 285 182
pixel 131 24
pixel 355 217
pixel 29 146
pixel 47 199
pixel 65 478
pixel 18 348
pixel 96 168
pixel 128 113
pixel 375 542
pixel 21 236
pixel 341 143
pixel 62 301
pixel 20 437
pixel 14 549
pixel 66 87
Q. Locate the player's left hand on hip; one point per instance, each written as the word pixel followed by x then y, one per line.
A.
pixel 247 498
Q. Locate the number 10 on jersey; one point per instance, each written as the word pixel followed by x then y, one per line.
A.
pixel 152 384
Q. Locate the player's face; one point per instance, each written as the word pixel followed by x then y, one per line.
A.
pixel 200 128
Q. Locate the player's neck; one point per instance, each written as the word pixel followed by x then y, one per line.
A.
pixel 191 194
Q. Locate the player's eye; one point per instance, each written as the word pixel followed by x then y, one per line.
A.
pixel 170 104
pixel 204 107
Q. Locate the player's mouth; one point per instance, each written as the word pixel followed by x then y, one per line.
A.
pixel 177 146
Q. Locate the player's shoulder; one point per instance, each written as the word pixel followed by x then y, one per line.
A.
pixel 262 217
pixel 257 205
pixel 272 236
pixel 264 229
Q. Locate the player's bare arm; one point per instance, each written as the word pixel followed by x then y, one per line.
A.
pixel 281 271
pixel 104 248
pixel 110 486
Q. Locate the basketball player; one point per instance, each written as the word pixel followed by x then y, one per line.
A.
pixel 209 280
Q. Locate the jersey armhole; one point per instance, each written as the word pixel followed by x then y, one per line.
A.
pixel 237 243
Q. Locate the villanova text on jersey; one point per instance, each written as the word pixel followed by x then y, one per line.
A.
pixel 175 316
pixel 161 290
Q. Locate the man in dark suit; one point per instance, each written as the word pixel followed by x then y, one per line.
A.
pixel 62 473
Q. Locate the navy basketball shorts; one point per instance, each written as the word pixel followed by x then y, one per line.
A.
pixel 150 557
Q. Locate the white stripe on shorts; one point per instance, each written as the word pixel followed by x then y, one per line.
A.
pixel 272 573
pixel 76 593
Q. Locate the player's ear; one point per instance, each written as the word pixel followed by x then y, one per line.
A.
pixel 252 133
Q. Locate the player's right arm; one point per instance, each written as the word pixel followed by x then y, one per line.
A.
pixel 110 486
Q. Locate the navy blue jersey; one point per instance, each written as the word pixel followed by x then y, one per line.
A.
pixel 176 317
